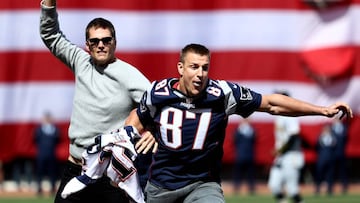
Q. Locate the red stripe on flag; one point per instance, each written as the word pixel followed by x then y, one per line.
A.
pixel 165 5
pixel 32 66
pixel 229 65
pixel 331 62
pixel 234 65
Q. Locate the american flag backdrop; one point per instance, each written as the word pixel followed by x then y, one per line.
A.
pixel 311 51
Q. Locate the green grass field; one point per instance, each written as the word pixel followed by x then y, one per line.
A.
pixel 351 198
pixel 308 199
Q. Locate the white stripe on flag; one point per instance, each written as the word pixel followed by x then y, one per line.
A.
pixel 344 91
pixel 57 97
pixel 220 30
pixel 26 102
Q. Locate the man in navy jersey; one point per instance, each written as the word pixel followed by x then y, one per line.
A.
pixel 190 114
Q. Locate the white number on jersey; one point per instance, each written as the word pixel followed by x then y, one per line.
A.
pixel 175 127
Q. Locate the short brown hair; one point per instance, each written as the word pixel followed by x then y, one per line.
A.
pixel 194 48
pixel 100 23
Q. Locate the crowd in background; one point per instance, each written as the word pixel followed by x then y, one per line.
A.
pixel 26 170
pixel 331 165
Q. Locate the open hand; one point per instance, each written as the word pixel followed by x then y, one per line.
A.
pixel 146 142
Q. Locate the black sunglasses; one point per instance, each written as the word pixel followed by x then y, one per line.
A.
pixel 95 41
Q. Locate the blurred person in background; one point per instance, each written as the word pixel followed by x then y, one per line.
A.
pixel 46 138
pixel 284 177
pixel 1 176
pixel 340 131
pixel 22 172
pixel 324 167
pixel 244 139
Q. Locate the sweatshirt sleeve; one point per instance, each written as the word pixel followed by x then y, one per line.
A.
pixel 55 40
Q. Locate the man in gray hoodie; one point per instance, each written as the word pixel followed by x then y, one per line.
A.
pixel 106 90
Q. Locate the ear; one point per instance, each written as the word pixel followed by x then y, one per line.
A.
pixel 113 46
pixel 87 48
pixel 180 67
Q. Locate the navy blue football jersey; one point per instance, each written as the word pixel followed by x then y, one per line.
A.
pixel 190 131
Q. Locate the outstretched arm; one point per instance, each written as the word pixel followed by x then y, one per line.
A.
pixel 278 104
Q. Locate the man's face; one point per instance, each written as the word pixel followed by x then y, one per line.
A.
pixel 194 73
pixel 101 46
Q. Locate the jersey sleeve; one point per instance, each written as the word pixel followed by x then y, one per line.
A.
pixel 240 100
pixel 146 109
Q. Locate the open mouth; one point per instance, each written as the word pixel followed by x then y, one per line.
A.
pixel 197 83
